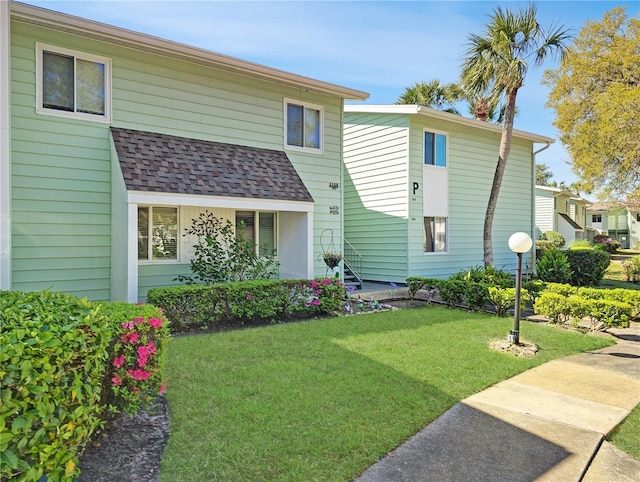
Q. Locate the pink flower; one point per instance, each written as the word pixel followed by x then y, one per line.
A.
pixel 147 349
pixel 139 303
pixel 133 337
pixel 118 361
pixel 139 319
pixel 116 380
pixel 155 322
pixel 128 325
pixel 248 297
pixel 326 282
pixel 140 374
pixel 163 388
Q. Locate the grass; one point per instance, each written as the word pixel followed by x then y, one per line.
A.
pixel 625 436
pixel 323 400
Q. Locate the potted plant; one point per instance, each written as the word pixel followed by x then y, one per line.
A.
pixel 331 259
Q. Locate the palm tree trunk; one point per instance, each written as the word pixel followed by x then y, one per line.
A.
pixel 503 156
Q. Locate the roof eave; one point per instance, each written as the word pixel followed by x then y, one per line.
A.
pixel 414 109
pixel 155 45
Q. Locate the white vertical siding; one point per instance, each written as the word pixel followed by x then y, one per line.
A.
pixel 544 212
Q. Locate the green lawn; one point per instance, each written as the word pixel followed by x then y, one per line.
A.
pixel 324 399
pixel 626 437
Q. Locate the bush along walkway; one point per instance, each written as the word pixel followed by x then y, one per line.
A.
pixel 547 423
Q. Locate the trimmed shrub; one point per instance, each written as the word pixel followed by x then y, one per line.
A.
pixel 556 239
pixel 562 302
pixel 542 246
pixel 416 283
pixel 554 267
pixel 52 362
pixel 587 266
pixel 631 269
pixel 610 312
pixel 504 299
pixel 559 308
pixel 261 301
pixel 534 288
pixel 476 295
pixel 452 292
pixel 563 289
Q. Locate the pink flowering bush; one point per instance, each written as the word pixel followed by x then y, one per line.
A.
pixel 136 358
pixel 321 295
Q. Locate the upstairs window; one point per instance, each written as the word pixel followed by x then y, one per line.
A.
pixel 73 84
pixel 596 218
pixel 303 123
pixel 435 149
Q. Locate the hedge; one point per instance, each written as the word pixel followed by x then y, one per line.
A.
pixel 588 266
pixel 246 302
pixel 562 303
pixel 53 358
pixel 57 356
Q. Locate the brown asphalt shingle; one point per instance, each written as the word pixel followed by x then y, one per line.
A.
pixel 163 163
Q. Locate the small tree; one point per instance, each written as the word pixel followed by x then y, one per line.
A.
pixel 223 255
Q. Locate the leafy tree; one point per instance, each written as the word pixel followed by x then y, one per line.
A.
pixel 543 175
pixel 432 94
pixel 498 62
pixel 596 95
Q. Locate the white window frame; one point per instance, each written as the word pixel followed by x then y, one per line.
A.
pixel 40 109
pixel 149 259
pixel 305 105
pixel 446 148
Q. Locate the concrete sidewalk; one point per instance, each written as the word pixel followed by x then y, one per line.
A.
pixel 545 424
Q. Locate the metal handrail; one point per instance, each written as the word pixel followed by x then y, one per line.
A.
pixel 353 259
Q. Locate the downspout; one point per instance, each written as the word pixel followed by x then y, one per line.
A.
pixel 5 145
pixel 533 201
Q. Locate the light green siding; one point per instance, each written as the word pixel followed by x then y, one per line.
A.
pixel 472 157
pixel 61 191
pixel 62 178
pixel 375 199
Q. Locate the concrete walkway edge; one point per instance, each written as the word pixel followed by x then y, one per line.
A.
pixel 548 423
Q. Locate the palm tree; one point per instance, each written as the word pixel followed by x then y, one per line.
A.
pixel 498 63
pixel 432 94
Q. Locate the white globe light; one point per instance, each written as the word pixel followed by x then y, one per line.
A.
pixel 520 242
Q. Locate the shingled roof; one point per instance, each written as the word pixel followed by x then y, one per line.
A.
pixel 155 162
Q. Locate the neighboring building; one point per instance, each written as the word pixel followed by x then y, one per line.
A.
pixel 562 211
pixel 417 183
pixel 112 141
pixel 620 221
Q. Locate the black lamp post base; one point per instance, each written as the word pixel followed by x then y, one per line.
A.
pixel 513 336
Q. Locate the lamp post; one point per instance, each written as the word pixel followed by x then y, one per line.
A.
pixel 519 243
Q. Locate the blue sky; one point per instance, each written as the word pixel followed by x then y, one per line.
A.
pixel 379 47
